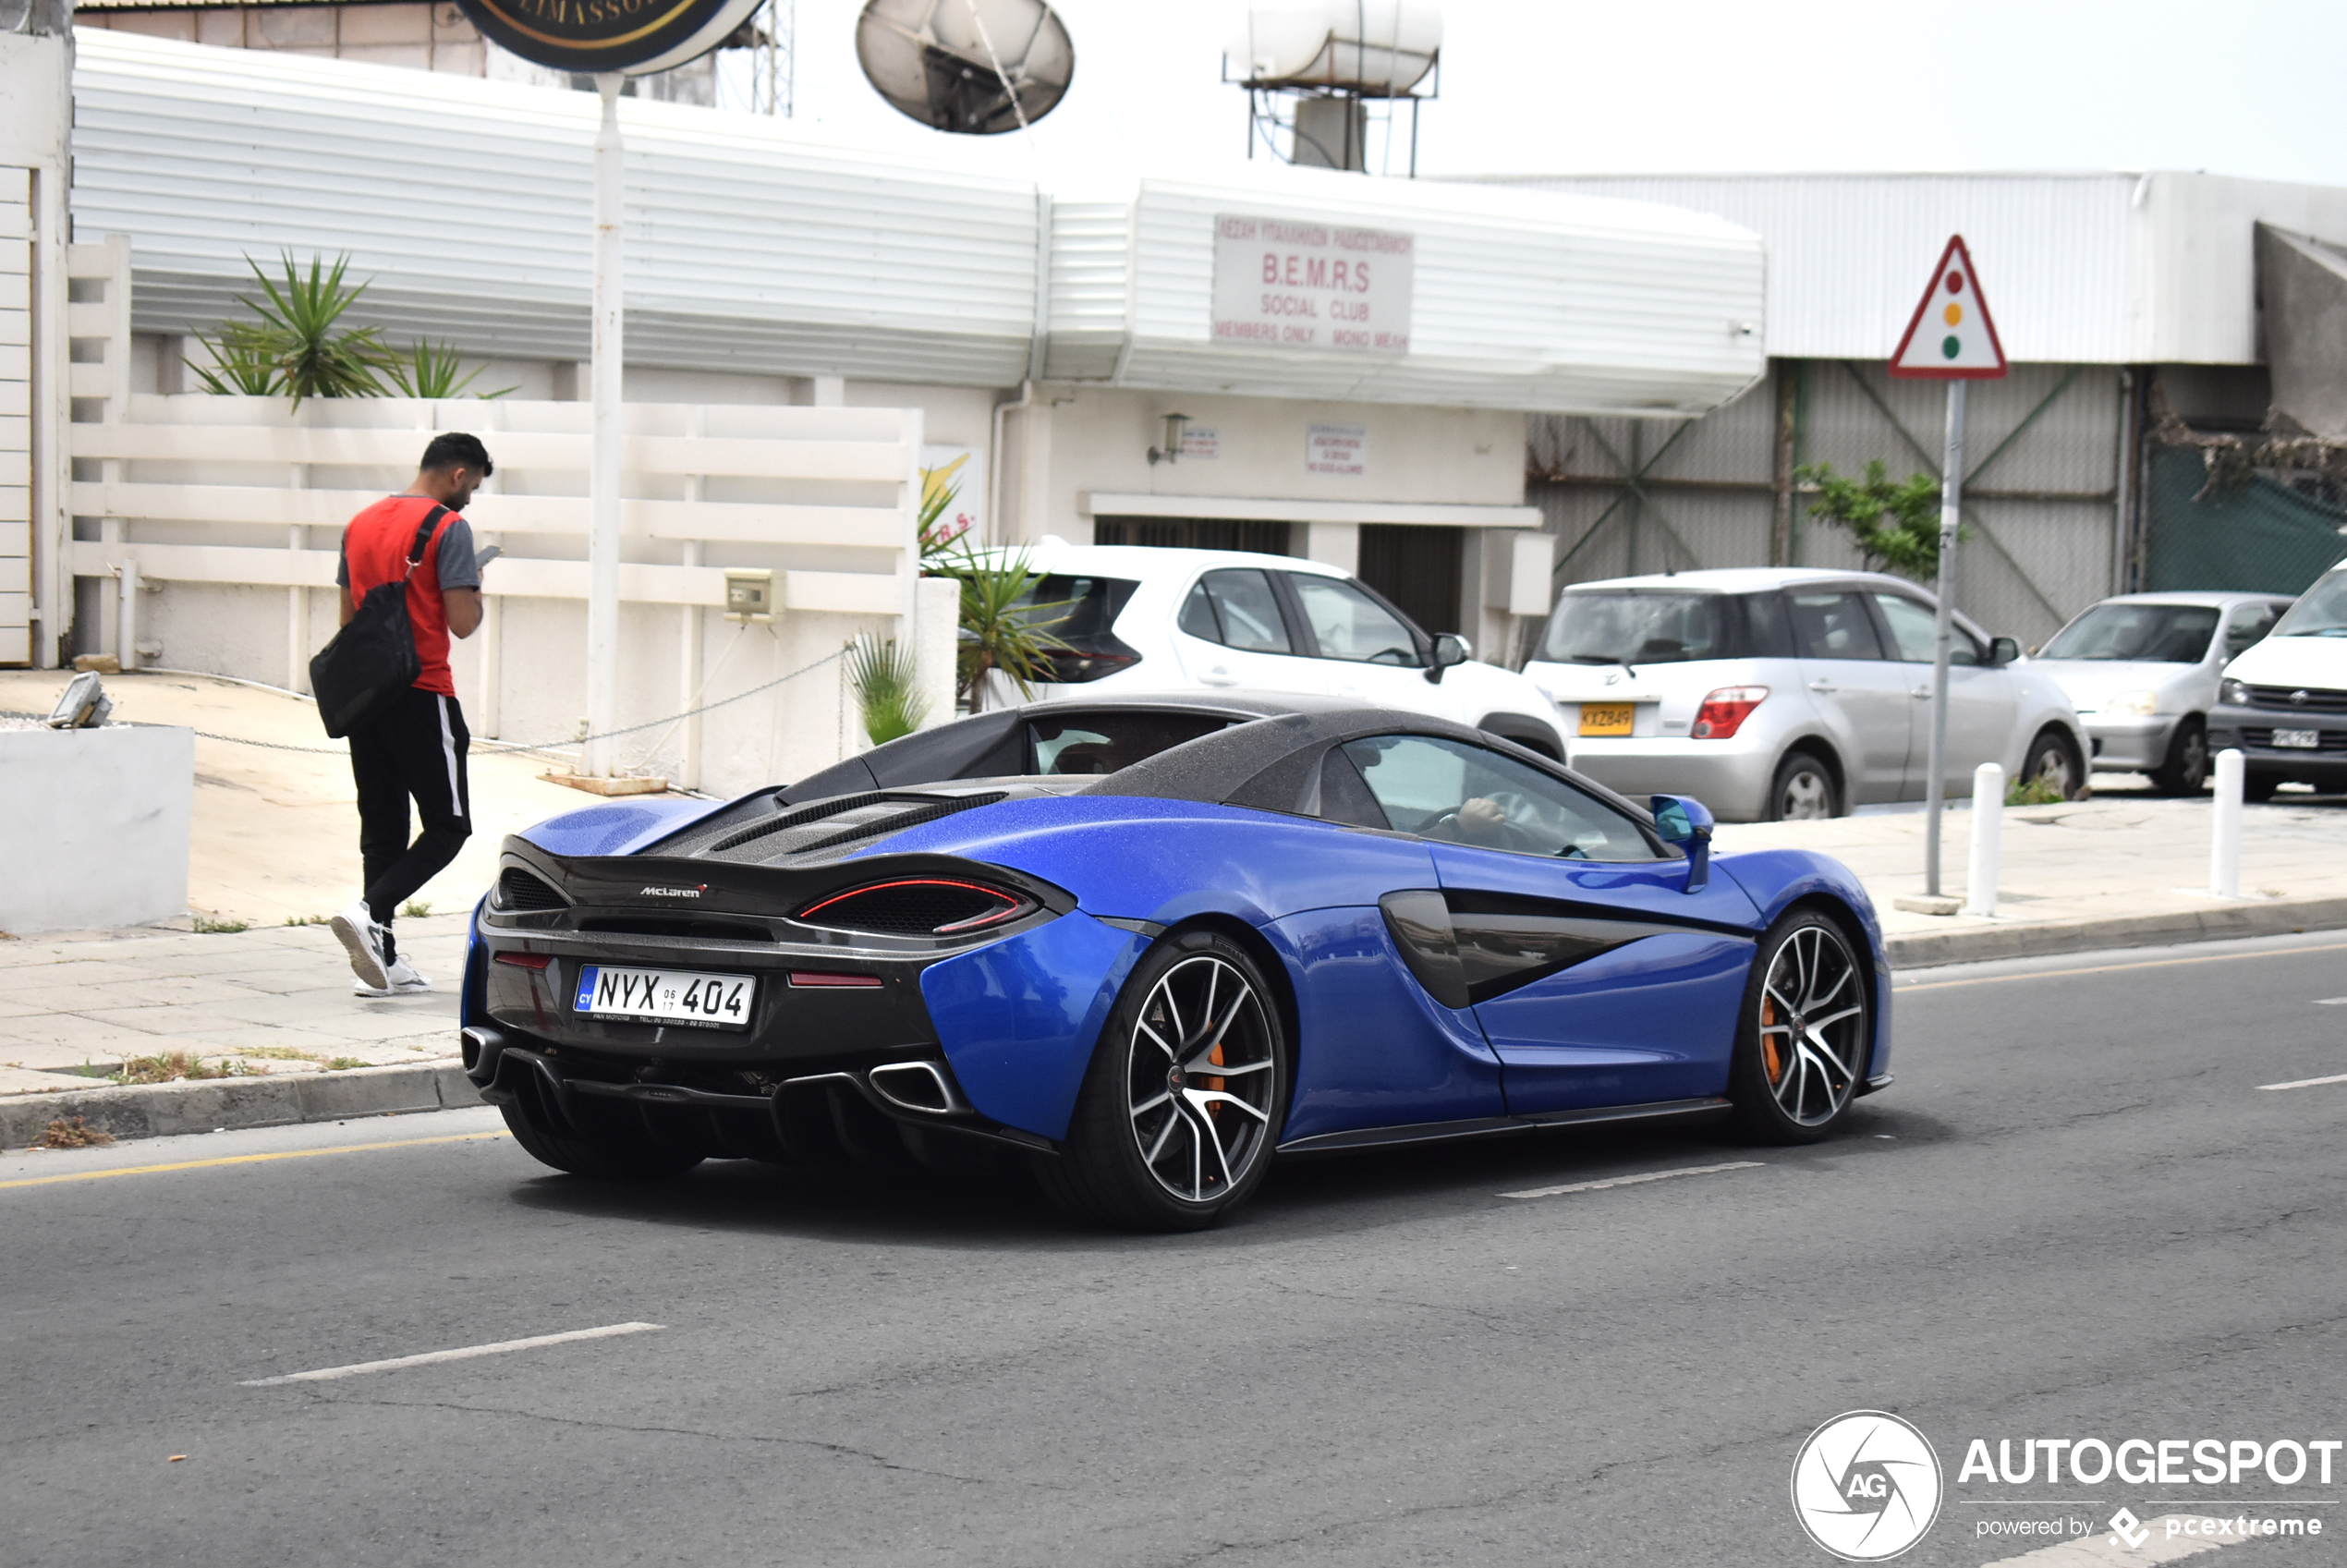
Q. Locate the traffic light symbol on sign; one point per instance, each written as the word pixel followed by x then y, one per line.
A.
pixel 1952 335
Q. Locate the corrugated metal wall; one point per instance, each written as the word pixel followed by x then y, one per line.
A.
pixel 2040 497
pixel 1849 254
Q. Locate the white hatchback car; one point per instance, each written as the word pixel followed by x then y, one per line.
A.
pixel 1138 618
pixel 1777 693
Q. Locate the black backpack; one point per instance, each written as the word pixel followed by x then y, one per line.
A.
pixel 372 659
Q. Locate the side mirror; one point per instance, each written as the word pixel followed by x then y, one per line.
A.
pixel 1449 648
pixel 1684 822
pixel 2002 651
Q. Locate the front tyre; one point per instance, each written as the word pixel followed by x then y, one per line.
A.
pixel 2054 762
pixel 2184 770
pixel 1804 1034
pixel 614 1155
pixel 1187 1089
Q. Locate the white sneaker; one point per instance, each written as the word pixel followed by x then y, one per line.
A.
pixel 404 979
pixel 355 927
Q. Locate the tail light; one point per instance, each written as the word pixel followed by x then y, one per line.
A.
pixel 1724 711
pixel 920 906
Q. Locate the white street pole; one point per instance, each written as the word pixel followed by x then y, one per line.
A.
pixel 602 471
pixel 1950 503
pixel 2224 838
pixel 1988 820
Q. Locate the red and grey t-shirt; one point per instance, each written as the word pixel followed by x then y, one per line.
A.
pixel 374 550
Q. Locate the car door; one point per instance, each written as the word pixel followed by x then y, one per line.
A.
pixel 1232 631
pixel 1364 648
pixel 1981 699
pixel 1861 694
pixel 1597 976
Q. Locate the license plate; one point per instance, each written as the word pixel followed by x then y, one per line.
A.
pixel 2303 740
pixel 1606 717
pixel 665 996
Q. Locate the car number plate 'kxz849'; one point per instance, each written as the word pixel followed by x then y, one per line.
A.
pixel 2302 740
pixel 1606 717
pixel 665 996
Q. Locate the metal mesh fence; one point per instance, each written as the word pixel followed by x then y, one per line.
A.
pixel 2260 537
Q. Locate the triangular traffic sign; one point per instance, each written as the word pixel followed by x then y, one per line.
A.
pixel 1952 335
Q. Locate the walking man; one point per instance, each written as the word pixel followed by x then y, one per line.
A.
pixel 414 747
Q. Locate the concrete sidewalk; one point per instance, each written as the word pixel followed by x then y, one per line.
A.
pixel 2120 871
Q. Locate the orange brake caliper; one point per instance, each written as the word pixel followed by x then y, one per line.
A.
pixel 1768 1057
pixel 1214 1085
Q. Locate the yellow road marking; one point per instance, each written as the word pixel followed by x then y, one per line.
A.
pixel 2106 968
pixel 248 1159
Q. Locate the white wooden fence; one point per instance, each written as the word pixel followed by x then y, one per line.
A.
pixel 195 492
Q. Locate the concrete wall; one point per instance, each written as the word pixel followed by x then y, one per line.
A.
pixel 93 827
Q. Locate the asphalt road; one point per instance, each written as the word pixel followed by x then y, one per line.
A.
pixel 2075 1215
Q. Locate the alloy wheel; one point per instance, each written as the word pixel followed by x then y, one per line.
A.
pixel 1812 1025
pixel 1199 1079
pixel 1808 797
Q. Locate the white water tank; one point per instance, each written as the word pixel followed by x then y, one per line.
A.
pixel 1375 48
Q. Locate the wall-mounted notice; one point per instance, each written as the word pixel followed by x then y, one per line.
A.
pixel 1286 283
pixel 1200 443
pixel 1336 449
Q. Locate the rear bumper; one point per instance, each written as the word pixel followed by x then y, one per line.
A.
pixel 1729 777
pixel 849 1104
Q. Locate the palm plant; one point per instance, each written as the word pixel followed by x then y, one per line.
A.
pixel 939 489
pixel 886 687
pixel 241 362
pixel 1001 627
pixel 429 371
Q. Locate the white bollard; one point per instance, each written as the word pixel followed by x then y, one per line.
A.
pixel 2224 840
pixel 1988 820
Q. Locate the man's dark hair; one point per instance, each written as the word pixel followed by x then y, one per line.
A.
pixel 456 449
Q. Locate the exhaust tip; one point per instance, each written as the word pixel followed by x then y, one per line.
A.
pixel 916 1085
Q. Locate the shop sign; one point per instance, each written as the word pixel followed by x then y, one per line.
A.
pixel 1336 449
pixel 608 35
pixel 1301 284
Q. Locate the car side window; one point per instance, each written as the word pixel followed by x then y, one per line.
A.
pixel 1236 609
pixel 1914 626
pixel 1455 793
pixel 2248 624
pixel 1833 626
pixel 1349 624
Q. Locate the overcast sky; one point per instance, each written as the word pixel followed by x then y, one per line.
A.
pixel 2249 87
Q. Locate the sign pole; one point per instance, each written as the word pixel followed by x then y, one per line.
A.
pixel 605 443
pixel 1943 632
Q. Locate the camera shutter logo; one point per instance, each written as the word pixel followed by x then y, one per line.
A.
pixel 1866 1486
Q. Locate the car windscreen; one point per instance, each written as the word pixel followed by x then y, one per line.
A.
pixel 2161 633
pixel 2320 611
pixel 1105 741
pixel 1647 627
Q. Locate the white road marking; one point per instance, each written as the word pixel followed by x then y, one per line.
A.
pixel 2103 1548
pixel 2308 1083
pixel 466 1354
pixel 2330 1002
pixel 1633 1181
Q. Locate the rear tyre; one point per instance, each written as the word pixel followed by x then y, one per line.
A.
pixel 614 1156
pixel 1805 1035
pixel 2053 759
pixel 2185 768
pixel 1803 790
pixel 1186 1091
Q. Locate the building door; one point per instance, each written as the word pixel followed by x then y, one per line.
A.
pixel 1417 569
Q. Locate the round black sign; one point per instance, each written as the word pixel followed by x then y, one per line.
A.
pixel 633 36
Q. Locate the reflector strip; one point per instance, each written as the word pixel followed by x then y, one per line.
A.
pixel 526 960
pixel 806 980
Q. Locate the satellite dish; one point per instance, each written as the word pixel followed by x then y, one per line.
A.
pixel 976 68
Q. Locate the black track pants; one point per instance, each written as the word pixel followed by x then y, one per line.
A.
pixel 414 748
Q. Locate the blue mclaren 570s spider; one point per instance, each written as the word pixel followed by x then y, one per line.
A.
pixel 1152 944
